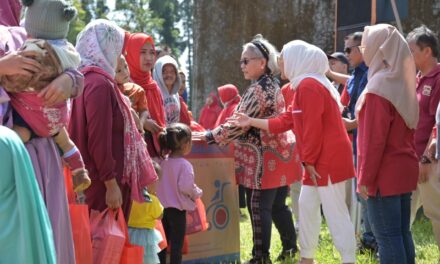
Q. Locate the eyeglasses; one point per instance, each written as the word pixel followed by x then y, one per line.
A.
pixel 348 50
pixel 246 61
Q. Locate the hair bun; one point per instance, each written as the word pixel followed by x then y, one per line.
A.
pixel 27 2
pixel 69 12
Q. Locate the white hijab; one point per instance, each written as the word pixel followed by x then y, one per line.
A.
pixel 391 72
pixel 303 60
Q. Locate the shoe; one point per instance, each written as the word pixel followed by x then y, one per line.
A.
pixel 287 254
pixel 370 247
pixel 263 260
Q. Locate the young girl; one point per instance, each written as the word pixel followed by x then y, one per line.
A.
pixel 176 189
pixel 47 24
pixel 142 221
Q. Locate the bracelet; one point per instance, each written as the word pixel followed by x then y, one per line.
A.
pixel 425 160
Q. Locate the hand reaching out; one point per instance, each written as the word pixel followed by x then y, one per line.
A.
pixel 240 120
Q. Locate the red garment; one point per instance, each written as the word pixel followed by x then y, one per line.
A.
pixel 230 98
pixel 387 161
pixel 345 97
pixel 133 47
pixel 428 95
pixel 98 131
pixel 321 137
pixel 288 94
pixel 184 115
pixel 209 113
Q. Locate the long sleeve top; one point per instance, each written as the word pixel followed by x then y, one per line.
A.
pixel 387 160
pixel 263 159
pixel 320 133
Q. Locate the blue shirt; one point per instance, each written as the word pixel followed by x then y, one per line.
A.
pixel 355 86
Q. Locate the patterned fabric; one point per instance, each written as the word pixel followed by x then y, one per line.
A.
pixel 262 159
pixel 100 44
pixel 255 214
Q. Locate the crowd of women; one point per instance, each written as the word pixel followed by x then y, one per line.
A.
pixel 125 131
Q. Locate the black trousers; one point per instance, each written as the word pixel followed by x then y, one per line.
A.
pixel 265 207
pixel 174 225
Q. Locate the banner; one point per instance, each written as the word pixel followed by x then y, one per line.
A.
pixel 214 174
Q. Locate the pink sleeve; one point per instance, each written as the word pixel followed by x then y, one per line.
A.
pixel 99 113
pixel 374 125
pixel 282 123
pixel 186 183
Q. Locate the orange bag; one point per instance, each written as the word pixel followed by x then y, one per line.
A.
pixel 163 244
pixel 132 254
pixel 196 220
pixel 79 217
pixel 69 185
pixel 108 236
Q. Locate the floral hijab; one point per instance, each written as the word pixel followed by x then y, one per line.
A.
pixel 100 44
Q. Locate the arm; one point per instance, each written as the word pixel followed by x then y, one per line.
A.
pixel 186 183
pixel 338 77
pixel 375 125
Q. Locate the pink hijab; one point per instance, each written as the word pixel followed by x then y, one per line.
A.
pixel 10 13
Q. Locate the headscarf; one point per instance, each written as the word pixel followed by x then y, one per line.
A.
pixel 134 43
pixel 171 100
pixel 303 60
pixel 26 233
pixel 230 98
pixel 10 11
pixel 209 113
pixel 101 43
pixel 391 72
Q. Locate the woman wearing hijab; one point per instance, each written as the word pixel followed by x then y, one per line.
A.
pixel 230 98
pixel 324 148
pixel 210 111
pixel 166 75
pixel 26 233
pixel 140 54
pixel 102 126
pixel 262 159
pixel 387 114
pixel 42 151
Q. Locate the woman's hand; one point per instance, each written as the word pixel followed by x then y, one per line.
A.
pixel 152 126
pixel 363 192
pixel 21 62
pixel 113 196
pixel 350 124
pixel 58 90
pixel 313 174
pixel 199 136
pixel 240 120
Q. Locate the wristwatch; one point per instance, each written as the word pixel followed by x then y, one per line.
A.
pixel 425 160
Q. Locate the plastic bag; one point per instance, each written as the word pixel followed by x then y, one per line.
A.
pixel 79 217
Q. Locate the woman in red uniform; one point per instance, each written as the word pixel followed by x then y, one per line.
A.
pixel 323 144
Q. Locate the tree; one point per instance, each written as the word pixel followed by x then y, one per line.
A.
pixel 78 24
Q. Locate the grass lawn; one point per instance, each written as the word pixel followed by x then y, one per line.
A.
pixel 426 247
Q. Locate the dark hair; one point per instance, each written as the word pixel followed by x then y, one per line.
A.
pixel 173 137
pixel 356 36
pixel 424 37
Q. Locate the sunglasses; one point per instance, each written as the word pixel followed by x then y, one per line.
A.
pixel 246 61
pixel 348 50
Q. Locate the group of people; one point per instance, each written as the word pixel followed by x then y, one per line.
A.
pixel 126 129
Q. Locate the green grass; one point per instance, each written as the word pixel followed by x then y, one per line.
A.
pixel 426 247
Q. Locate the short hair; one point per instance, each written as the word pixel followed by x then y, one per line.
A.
pixel 424 37
pixel 356 36
pixel 271 63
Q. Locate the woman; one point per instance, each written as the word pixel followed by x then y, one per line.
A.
pixel 140 55
pixel 324 148
pixel 166 76
pixel 210 111
pixel 43 152
pixel 230 98
pixel 387 163
pixel 262 159
pixel 26 235
pixel 102 126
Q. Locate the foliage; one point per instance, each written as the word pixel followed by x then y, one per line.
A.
pixel 78 24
